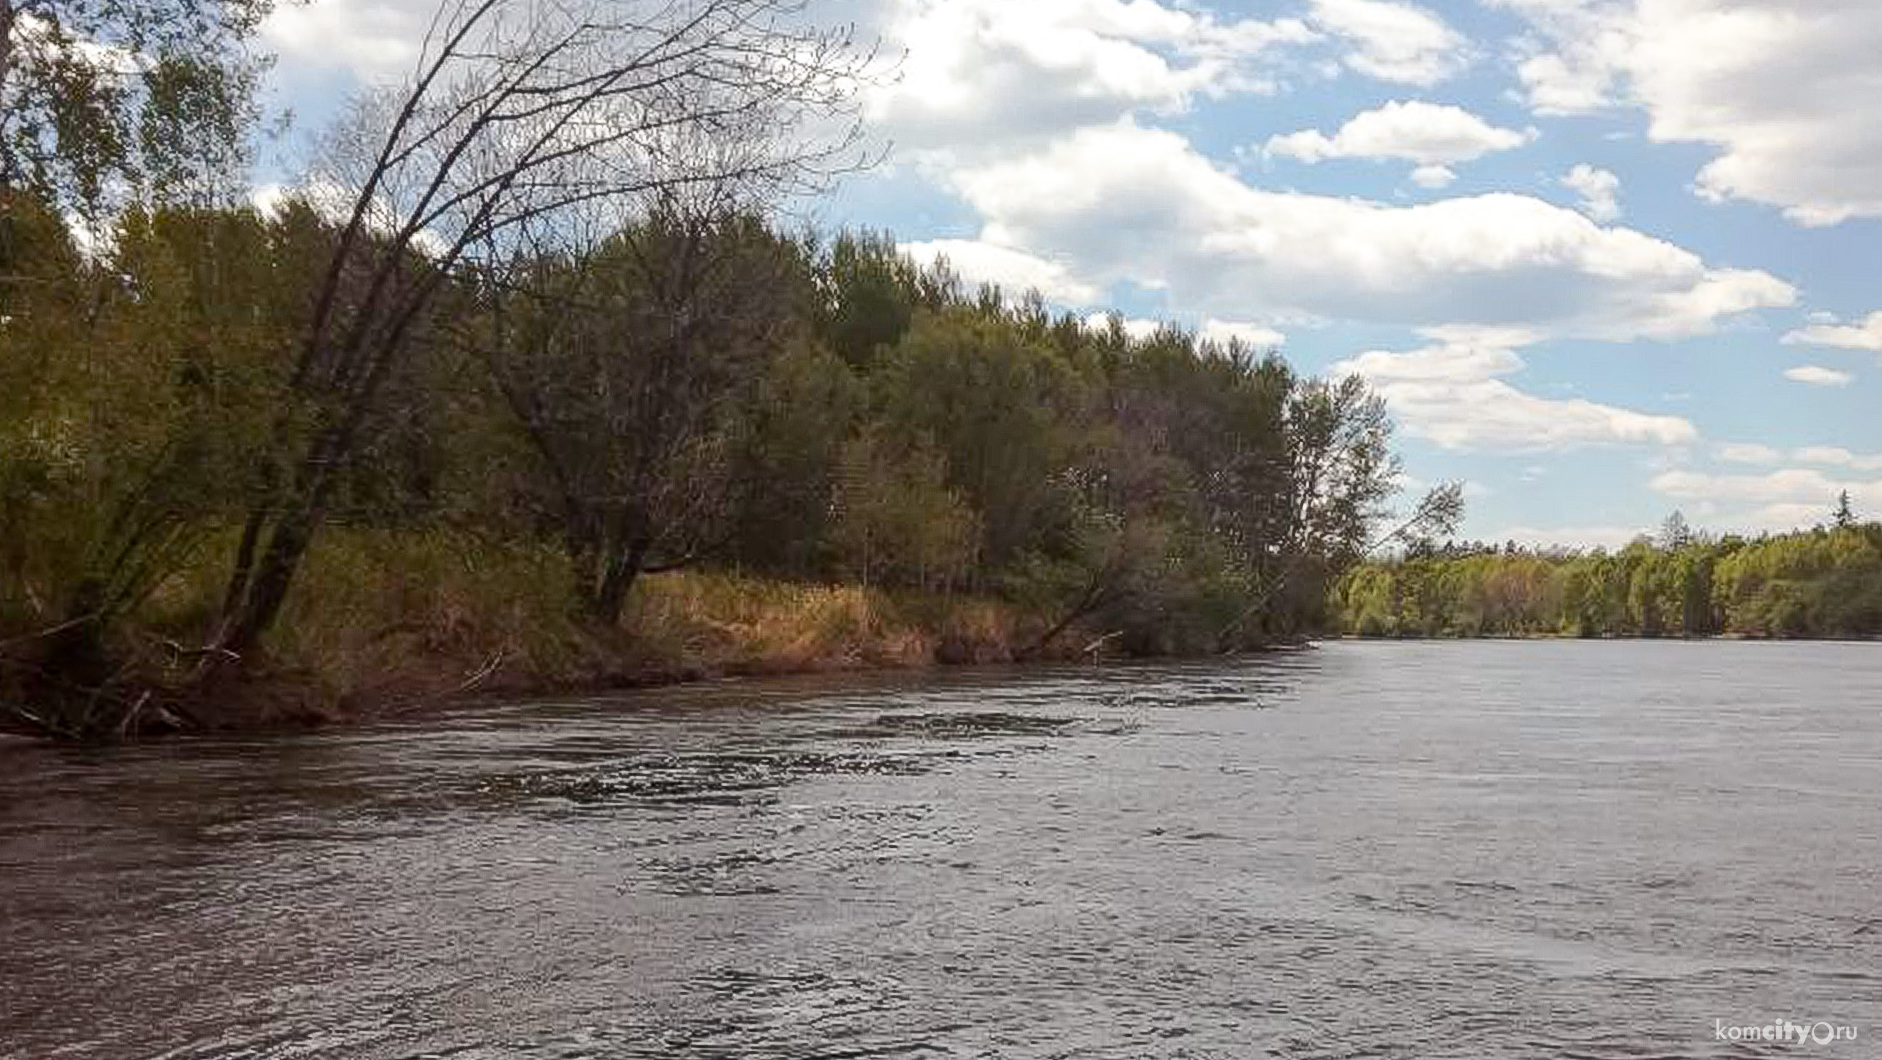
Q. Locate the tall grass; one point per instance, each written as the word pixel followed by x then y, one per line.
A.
pixel 383 617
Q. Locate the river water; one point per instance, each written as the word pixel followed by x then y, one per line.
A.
pixel 1473 850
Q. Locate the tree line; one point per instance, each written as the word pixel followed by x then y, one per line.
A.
pixel 1822 582
pixel 540 296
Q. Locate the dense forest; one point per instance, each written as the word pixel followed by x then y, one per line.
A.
pixel 529 380
pixel 1825 582
pixel 796 411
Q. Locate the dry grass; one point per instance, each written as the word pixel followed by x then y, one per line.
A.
pixel 385 621
pixel 380 618
pixel 384 614
pixel 725 622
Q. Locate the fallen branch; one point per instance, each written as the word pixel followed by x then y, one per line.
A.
pixel 482 674
pixel 50 631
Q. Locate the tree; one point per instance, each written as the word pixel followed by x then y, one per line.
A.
pixel 137 389
pixel 997 406
pixel 1114 546
pixel 104 102
pixel 896 519
pixel 803 413
pixel 1842 517
pixel 520 116
pixel 1675 532
pixel 1339 473
pixel 871 291
pixel 629 372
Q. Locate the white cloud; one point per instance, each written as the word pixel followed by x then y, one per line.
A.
pixel 1573 59
pixel 1433 177
pixel 1748 453
pixel 1013 271
pixel 1799 493
pixel 1442 363
pixel 1123 202
pixel 1787 484
pixel 1784 91
pixel 1426 133
pixel 1825 332
pixel 373 40
pixel 1253 335
pixel 1139 328
pixel 1599 191
pixel 980 72
pixel 1815 375
pixel 1818 455
pixel 1776 500
pixel 1391 41
pixel 961 74
pixel 1450 393
pixel 1834 456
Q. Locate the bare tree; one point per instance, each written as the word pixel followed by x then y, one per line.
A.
pixel 523 114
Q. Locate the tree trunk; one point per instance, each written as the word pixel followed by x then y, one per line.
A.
pixel 266 586
pixel 610 597
pixel 9 17
pixel 1093 596
pixel 69 675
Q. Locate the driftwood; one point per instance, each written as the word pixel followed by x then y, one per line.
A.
pixel 1097 646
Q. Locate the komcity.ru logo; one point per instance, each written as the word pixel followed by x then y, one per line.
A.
pixel 1820 1032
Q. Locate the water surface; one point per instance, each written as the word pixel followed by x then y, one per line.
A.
pixel 1478 850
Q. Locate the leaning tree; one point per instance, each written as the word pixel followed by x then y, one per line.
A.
pixel 522 118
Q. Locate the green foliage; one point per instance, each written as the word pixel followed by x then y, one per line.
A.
pixel 135 392
pixel 870 293
pixel 997 406
pixel 795 428
pixel 698 391
pixel 630 374
pixel 1825 582
pixel 896 518
pixel 108 101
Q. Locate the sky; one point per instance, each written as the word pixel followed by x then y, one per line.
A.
pixel 1605 259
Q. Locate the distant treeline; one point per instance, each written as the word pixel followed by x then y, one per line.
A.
pixel 1825 582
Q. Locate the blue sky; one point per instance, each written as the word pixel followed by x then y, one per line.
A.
pixel 1605 258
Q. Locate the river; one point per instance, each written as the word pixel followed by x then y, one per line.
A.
pixel 1475 850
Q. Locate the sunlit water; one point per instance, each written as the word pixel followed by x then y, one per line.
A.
pixel 1477 850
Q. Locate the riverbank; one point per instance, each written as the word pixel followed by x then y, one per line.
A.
pixel 388 624
pixel 1558 635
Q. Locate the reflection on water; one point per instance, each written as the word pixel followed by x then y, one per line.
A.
pixel 1458 850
